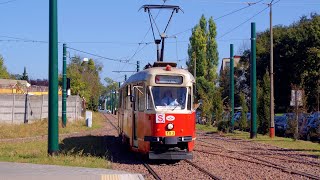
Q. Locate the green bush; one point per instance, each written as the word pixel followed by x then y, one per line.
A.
pixel 223 126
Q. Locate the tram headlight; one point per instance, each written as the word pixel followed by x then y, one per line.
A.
pixel 170 126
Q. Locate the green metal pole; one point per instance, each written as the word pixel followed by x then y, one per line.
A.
pixel 53 128
pixel 112 108
pixel 115 102
pixel 253 77
pixel 107 102
pixel 138 66
pixel 64 87
pixel 232 86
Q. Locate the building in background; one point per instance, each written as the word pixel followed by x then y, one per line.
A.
pixel 226 63
pixel 11 86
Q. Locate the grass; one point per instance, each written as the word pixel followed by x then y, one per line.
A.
pixel 288 143
pixel 206 128
pixel 85 151
pixel 36 152
pixel 40 128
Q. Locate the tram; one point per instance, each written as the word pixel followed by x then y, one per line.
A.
pixel 155 113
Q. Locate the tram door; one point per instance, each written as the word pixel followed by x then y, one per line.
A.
pixel 135 117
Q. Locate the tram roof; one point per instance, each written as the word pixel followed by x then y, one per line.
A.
pixel 153 71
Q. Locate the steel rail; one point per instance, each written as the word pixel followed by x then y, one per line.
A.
pixel 154 174
pixel 203 170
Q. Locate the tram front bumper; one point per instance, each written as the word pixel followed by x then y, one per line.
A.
pixel 168 140
pixel 170 155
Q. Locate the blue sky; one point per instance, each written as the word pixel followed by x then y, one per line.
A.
pixel 118 26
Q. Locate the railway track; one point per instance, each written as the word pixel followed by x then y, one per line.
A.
pixel 203 170
pixel 262 161
pixel 151 171
pixel 292 159
pixel 115 127
pixel 146 165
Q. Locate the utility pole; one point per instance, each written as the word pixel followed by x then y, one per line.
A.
pixel 64 87
pixel 253 82
pixel 296 134
pixel 232 86
pixel 272 131
pixel 53 128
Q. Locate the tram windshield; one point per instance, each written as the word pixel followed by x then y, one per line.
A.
pixel 174 98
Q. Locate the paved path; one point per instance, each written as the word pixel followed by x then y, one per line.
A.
pixel 16 171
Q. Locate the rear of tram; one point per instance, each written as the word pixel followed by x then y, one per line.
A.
pixel 169 99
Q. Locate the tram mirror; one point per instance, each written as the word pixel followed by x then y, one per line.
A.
pixel 139 88
pixel 197 105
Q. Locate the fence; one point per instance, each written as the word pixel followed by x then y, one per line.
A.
pixel 23 108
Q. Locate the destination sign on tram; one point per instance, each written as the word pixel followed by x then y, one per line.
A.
pixel 163 79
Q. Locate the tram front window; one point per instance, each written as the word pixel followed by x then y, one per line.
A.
pixel 169 97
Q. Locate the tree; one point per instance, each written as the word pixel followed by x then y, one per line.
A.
pixel 243 123
pixel 25 75
pixel 3 70
pixel 296 59
pixel 263 105
pixel 85 80
pixel 110 87
pixel 202 49
pixel 224 83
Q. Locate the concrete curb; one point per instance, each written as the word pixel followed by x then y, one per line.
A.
pixel 13 171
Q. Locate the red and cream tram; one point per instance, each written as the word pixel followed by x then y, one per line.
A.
pixel 156 116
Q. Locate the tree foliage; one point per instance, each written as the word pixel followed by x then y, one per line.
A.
pixel 263 104
pixel 241 80
pixel 85 80
pixel 296 59
pixel 202 49
pixel 25 75
pixel 3 70
pixel 243 123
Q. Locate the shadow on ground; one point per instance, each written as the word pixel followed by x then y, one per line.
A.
pixel 108 147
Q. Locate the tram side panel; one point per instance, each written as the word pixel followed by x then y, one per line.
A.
pixel 144 129
pixel 126 120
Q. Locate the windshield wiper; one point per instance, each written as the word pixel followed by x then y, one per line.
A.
pixel 175 107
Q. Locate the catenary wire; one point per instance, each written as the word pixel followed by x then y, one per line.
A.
pixel 6 2
pixel 102 57
pixel 246 20
pixel 220 17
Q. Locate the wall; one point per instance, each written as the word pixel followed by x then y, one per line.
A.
pixel 22 108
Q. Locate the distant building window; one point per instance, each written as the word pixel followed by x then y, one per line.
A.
pixel 227 64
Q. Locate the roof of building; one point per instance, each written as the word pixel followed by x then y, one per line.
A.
pixel 13 82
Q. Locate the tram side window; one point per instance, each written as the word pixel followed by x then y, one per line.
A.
pixel 189 99
pixel 120 98
pixel 141 99
pixel 127 97
pixel 136 95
